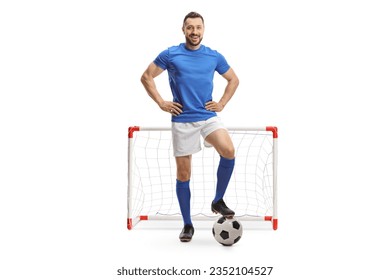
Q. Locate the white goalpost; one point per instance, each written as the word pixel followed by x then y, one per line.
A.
pixel 252 191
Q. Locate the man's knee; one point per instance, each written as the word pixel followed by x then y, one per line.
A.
pixel 183 175
pixel 183 168
pixel 228 152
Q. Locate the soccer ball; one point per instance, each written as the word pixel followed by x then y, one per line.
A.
pixel 227 231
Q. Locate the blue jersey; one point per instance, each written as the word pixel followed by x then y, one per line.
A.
pixel 191 74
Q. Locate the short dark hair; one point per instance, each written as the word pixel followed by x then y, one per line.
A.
pixel 193 15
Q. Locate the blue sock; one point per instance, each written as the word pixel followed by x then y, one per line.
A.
pixel 184 195
pixel 224 172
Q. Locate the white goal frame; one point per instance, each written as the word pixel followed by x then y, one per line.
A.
pixel 133 220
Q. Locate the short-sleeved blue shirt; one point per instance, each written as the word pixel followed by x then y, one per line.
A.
pixel 191 74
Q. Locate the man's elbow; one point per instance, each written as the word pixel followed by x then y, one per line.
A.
pixel 144 79
pixel 235 81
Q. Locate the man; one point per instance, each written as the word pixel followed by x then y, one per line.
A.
pixel 191 67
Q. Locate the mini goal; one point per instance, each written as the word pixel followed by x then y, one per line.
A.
pixel 252 191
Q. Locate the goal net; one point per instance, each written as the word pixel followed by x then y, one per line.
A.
pixel 252 191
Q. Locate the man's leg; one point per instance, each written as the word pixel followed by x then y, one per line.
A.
pixel 221 141
pixel 183 193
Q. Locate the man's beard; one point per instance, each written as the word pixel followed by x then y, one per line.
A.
pixel 194 44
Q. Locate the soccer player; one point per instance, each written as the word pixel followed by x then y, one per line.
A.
pixel 191 67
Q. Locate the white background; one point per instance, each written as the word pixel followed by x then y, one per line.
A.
pixel 69 85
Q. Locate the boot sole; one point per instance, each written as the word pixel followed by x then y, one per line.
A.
pixel 229 216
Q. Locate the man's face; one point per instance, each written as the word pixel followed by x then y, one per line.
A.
pixel 193 31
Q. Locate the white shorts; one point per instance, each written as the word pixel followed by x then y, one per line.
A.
pixel 186 136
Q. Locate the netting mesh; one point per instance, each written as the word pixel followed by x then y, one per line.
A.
pixel 152 180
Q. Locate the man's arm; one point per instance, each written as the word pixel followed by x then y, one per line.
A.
pixel 232 84
pixel 147 79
